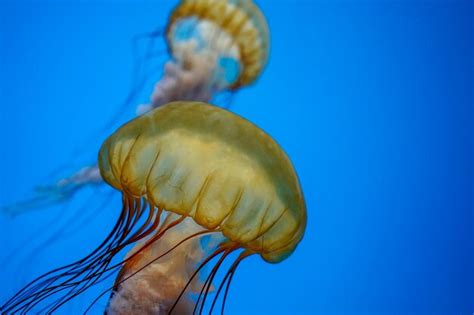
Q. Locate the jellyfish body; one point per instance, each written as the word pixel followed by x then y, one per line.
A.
pixel 185 162
pixel 216 45
pixel 200 161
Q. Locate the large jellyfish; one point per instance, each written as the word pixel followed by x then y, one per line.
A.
pixel 215 46
pixel 187 171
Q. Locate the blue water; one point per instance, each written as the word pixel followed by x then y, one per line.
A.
pixel 372 100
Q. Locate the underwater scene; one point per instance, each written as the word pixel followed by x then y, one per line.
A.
pixel 237 157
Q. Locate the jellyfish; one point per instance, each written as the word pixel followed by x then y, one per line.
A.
pixel 214 46
pixel 186 171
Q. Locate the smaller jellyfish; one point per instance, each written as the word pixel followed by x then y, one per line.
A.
pixel 216 45
pixel 186 171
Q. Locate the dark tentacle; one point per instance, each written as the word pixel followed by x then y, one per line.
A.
pixel 19 295
pixel 217 252
pixel 232 270
pixel 44 290
pixel 96 273
pixel 208 283
pixel 86 271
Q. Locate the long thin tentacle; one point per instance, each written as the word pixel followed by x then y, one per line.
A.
pixel 20 293
pixel 208 283
pixel 43 287
pixel 236 264
pixel 217 252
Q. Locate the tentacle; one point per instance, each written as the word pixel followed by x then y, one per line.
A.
pixel 62 232
pixel 82 275
pixel 84 272
pixel 232 272
pixel 208 283
pixel 16 252
pixel 96 273
pixel 19 294
pixel 216 253
pixel 92 277
pixel 139 78
pixel 39 290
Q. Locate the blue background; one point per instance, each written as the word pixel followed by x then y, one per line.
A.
pixel 372 100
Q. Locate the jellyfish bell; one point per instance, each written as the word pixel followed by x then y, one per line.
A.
pixel 216 45
pixel 235 33
pixel 185 170
pixel 203 162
